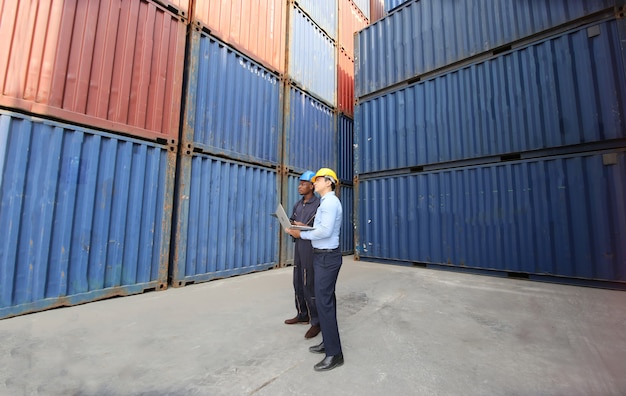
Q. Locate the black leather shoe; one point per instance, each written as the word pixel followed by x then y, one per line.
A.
pixel 319 348
pixel 329 363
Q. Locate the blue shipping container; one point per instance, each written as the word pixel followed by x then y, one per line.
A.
pixel 222 224
pixel 310 135
pixel 85 215
pixel 312 58
pixel 346 236
pixel 563 216
pixel 345 135
pixel 391 5
pixel 233 105
pixel 430 34
pixel 363 5
pixel 324 13
pixel 562 91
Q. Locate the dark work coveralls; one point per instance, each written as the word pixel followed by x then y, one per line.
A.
pixel 303 284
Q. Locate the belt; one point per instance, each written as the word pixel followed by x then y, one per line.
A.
pixel 315 250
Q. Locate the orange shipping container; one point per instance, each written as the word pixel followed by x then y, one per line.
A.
pixel 255 27
pixel 351 20
pixel 110 64
pixel 345 83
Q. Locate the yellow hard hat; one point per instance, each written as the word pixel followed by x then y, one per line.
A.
pixel 325 172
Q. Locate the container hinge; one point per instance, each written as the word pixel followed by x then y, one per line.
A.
pixel 620 11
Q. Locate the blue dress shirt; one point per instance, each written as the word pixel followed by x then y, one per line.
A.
pixel 327 223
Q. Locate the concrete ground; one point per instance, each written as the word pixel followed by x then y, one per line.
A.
pixel 405 331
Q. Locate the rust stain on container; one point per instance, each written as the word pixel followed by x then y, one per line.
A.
pixel 255 27
pixel 345 83
pixel 112 64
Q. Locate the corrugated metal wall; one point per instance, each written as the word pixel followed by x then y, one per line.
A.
pixel 254 27
pixel 391 5
pixel 324 13
pixel 558 92
pixel 116 69
pixel 233 105
pixel 345 83
pixel 346 236
pixel 345 136
pixel 312 58
pixel 561 215
pixel 85 214
pixel 428 34
pixel 351 20
pixel 112 64
pixel 223 224
pixel 495 142
pixel 310 133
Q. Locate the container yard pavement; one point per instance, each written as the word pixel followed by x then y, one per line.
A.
pixel 404 331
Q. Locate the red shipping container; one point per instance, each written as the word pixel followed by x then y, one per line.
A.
pixel 377 10
pixel 345 83
pixel 351 20
pixel 256 28
pixel 110 64
pixel 178 7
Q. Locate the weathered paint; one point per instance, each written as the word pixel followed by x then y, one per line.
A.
pixel 323 13
pixel 563 216
pixel 312 58
pixel 84 214
pixel 255 27
pixel 233 105
pixel 110 64
pixel 310 133
pixel 562 91
pixel 429 34
pixel 345 83
pixel 178 7
pixel 222 224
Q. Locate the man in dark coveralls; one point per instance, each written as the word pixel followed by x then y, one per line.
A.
pixel 303 214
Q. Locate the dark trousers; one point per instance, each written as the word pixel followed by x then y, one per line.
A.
pixel 303 281
pixel 327 266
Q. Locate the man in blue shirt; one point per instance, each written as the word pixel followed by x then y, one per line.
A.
pixel 327 263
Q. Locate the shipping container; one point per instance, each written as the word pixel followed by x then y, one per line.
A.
pixel 345 149
pixel 254 27
pixel 346 236
pixel 351 20
pixel 562 91
pixel 377 10
pixel 233 105
pixel 323 13
pixel 178 7
pixel 310 133
pixel 85 215
pixel 111 64
pixel 345 83
pixel 222 224
pixel 364 7
pixel 391 5
pixel 559 216
pixel 312 58
pixel 428 35
pixel 290 196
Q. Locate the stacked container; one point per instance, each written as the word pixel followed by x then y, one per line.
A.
pixel 494 140
pixel 90 95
